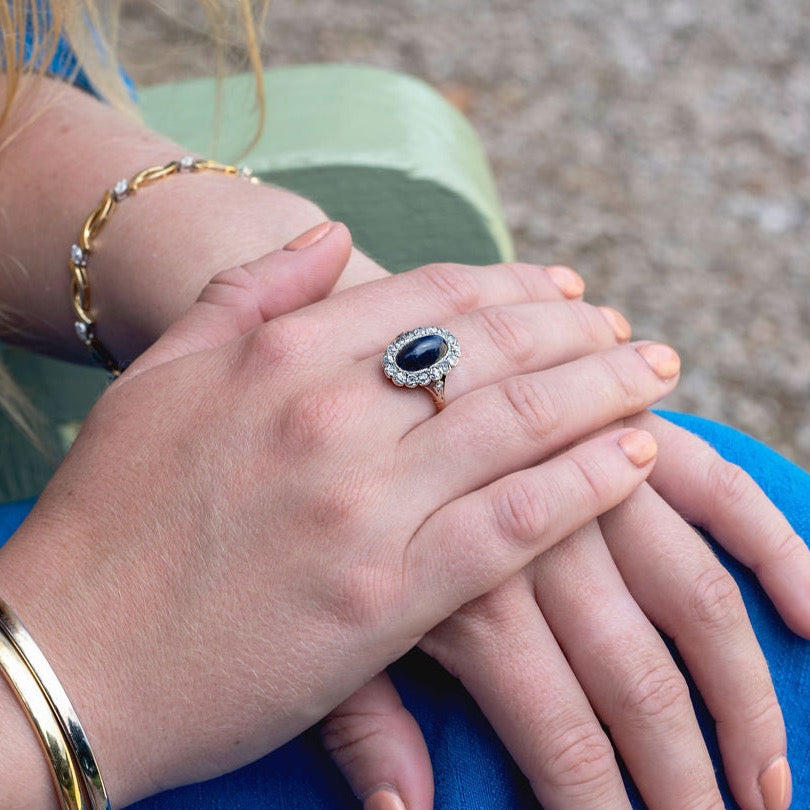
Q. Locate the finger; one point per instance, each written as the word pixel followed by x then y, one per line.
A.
pixel 239 299
pixel 505 655
pixel 379 748
pixel 681 586
pixel 723 499
pixel 490 534
pixel 494 430
pixel 502 341
pixel 626 671
pixel 369 316
pixel 568 280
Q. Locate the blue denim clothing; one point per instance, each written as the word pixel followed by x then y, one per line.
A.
pixel 472 769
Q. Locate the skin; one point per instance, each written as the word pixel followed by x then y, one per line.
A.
pixel 541 631
pixel 138 253
pixel 351 585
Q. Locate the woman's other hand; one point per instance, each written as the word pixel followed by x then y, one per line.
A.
pixel 571 639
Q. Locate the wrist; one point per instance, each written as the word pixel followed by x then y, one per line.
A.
pixel 143 282
pixel 25 781
pixel 40 579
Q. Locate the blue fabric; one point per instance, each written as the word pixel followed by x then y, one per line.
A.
pixel 472 768
pixel 64 63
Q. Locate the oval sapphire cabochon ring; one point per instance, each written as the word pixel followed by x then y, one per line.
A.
pixel 422 358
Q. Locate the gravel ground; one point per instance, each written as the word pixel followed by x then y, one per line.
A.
pixel 659 147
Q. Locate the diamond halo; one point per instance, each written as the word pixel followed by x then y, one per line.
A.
pixel 433 374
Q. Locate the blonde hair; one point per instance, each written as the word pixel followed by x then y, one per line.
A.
pixel 30 35
pixel 91 28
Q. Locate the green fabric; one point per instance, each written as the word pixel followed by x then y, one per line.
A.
pixel 380 151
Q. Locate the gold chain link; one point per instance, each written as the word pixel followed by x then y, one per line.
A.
pixel 85 323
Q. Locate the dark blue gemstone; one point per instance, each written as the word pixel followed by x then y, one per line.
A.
pixel 421 353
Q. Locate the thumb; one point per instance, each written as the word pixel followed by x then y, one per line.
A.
pixel 243 297
pixel 379 748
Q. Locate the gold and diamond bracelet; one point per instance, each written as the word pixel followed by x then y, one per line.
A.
pixel 85 323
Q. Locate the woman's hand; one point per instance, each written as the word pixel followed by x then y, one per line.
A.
pixel 243 535
pixel 690 471
pixel 570 639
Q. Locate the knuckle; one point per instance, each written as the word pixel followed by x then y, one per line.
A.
pixel 763 711
pixel 350 738
pixel 716 602
pixel 590 472
pixel 534 406
pixel 622 387
pixel 526 277
pixel 316 419
pixel 657 692
pixel 580 757
pixel 237 277
pixel 728 484
pixel 784 546
pixel 530 280
pixel 235 288
pixel 456 287
pixel 362 595
pixel 278 343
pixel 521 515
pixel 508 334
pixel 591 325
pixel 342 505
pixel 343 735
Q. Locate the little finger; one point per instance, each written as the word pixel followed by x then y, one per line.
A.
pixel 487 535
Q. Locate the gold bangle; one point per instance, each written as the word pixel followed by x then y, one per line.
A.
pixel 45 725
pixel 85 323
pixel 58 708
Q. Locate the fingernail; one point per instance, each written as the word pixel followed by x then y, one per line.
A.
pixel 385 799
pixel 310 237
pixel 775 785
pixel 569 281
pixel 639 446
pixel 663 360
pixel 621 328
